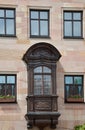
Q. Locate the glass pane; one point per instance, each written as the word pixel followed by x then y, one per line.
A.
pixel 77 29
pixel 37 84
pixel 77 16
pixel 38 70
pixel 1 13
pixel 44 28
pixel 77 80
pixel 2 79
pixel 2 26
pixel 43 15
pixel 68 29
pixel 47 84
pixel 34 14
pixel 9 26
pixel 68 16
pixel 68 80
pixel 34 27
pixel 67 91
pixel 10 13
pixel 10 91
pixel 2 91
pixel 46 70
pixel 11 79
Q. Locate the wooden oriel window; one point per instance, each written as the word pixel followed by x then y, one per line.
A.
pixel 7 88
pixel 74 88
pixel 73 24
pixel 7 22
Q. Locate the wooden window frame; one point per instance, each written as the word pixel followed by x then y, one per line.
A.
pixel 38 19
pixel 9 99
pixel 44 74
pixel 4 18
pixel 72 20
pixel 74 99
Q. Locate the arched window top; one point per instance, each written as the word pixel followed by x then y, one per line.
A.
pixel 41 52
pixel 42 69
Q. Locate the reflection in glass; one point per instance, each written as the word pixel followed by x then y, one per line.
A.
pixel 2 28
pixel 34 27
pixel 37 84
pixel 77 80
pixel 77 16
pixel 1 13
pixel 34 14
pixel 68 28
pixel 68 80
pixel 47 84
pixel 43 15
pixel 46 70
pixel 67 16
pixel 77 29
pixel 10 13
pixel 2 79
pixel 10 26
pixel 11 79
pixel 43 27
pixel 38 70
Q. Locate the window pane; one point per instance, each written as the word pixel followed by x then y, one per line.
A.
pixel 67 16
pixel 47 84
pixel 77 80
pixel 77 29
pixel 1 13
pixel 34 27
pixel 9 26
pixel 68 80
pixel 11 79
pixel 43 15
pixel 2 28
pixel 2 79
pixel 44 28
pixel 67 28
pixel 37 84
pixel 10 90
pixel 38 70
pixel 46 70
pixel 10 13
pixel 2 90
pixel 77 16
pixel 34 14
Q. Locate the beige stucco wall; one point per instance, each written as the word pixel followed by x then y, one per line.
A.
pixel 71 62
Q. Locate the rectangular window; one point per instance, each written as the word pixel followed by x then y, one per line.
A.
pixel 7 88
pixel 7 22
pixel 74 88
pixel 73 24
pixel 39 23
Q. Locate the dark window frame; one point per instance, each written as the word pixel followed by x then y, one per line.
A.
pixel 15 84
pixel 66 101
pixel 9 18
pixel 38 19
pixel 72 20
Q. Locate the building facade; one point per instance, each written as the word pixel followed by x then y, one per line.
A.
pixel 42 58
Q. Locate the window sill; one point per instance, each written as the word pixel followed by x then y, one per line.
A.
pixel 73 38
pixel 8 36
pixel 40 37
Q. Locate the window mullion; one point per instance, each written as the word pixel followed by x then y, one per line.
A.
pixel 5 20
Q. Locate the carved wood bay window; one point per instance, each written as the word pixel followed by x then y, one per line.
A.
pixel 42 106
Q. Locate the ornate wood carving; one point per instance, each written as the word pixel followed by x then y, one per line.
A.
pixel 41 109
